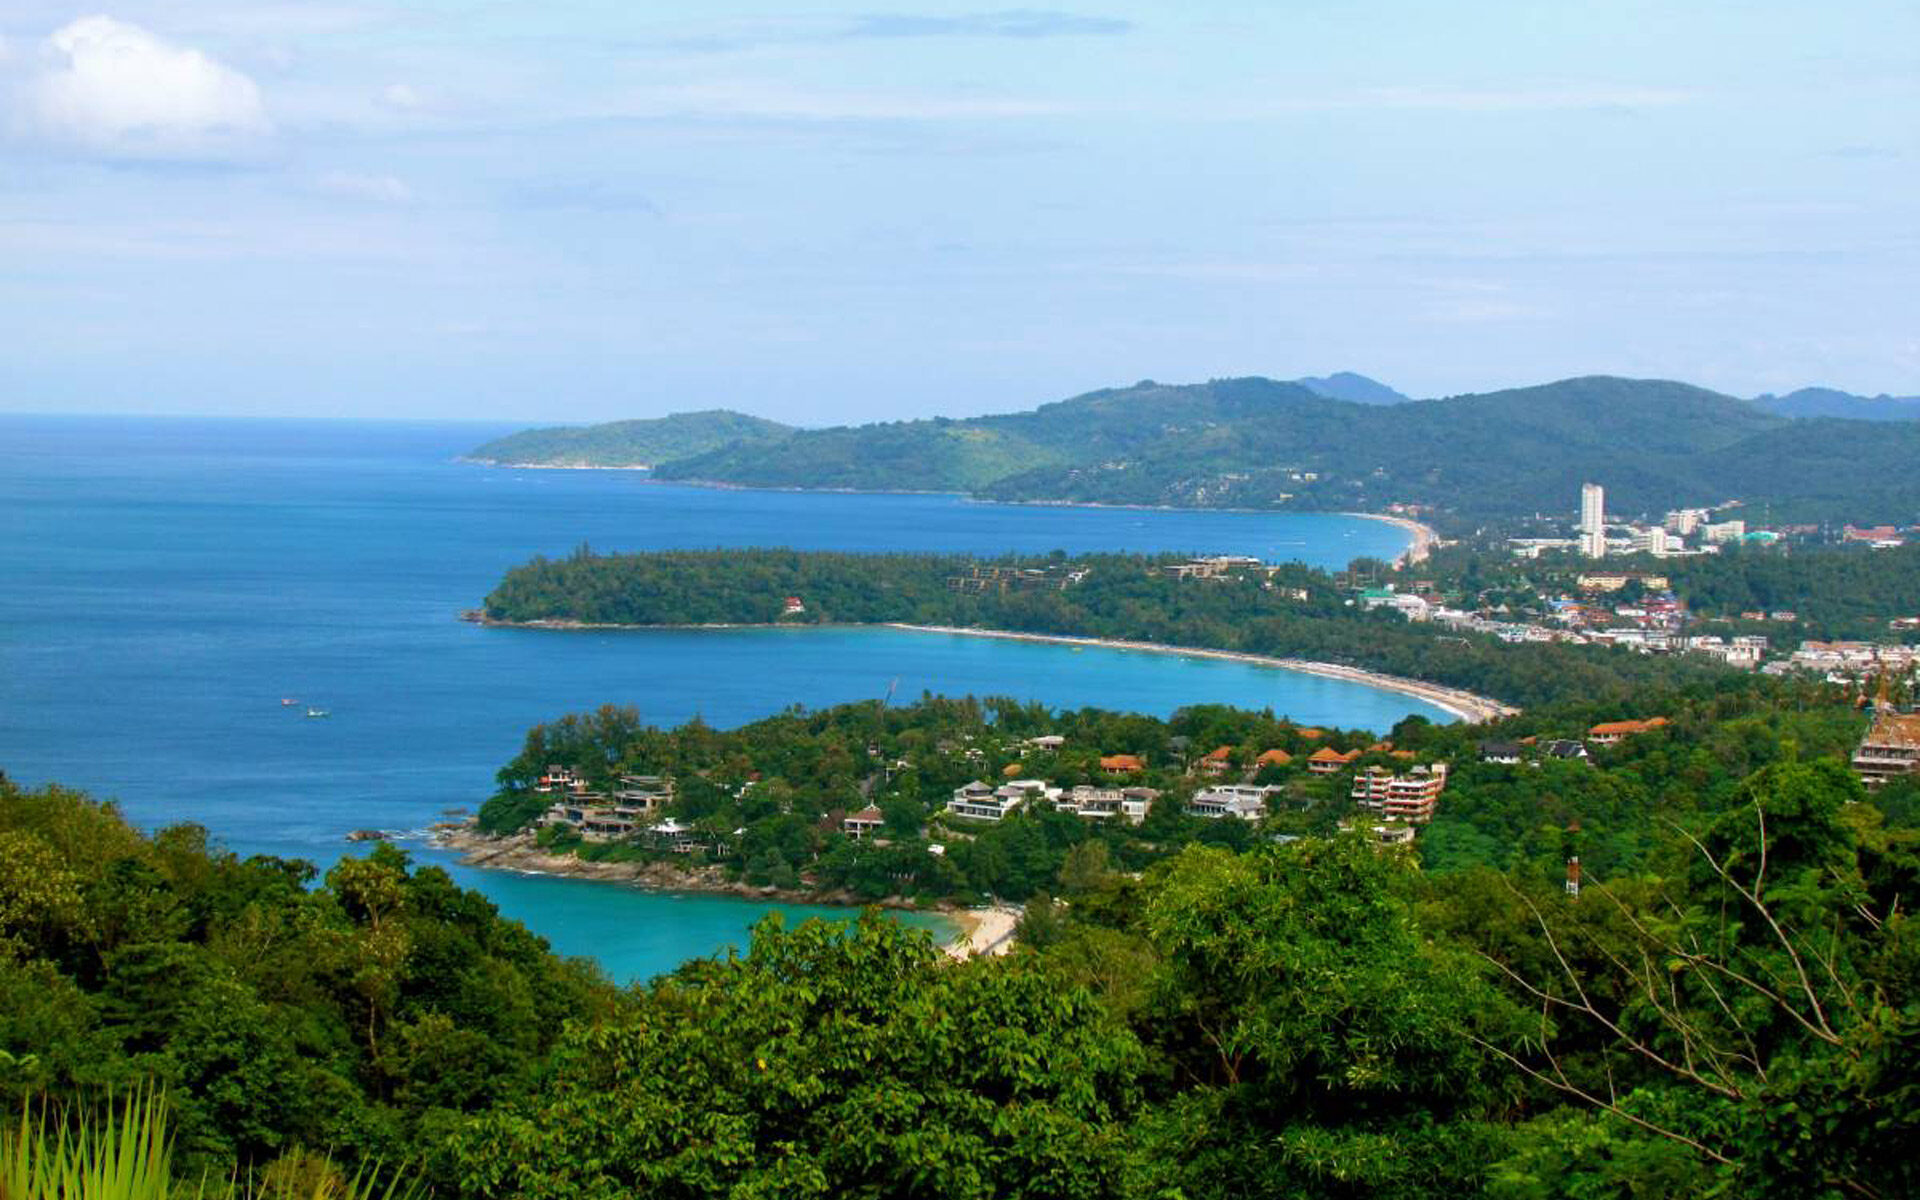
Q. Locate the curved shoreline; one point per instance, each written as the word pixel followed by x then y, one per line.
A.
pixel 1418 550
pixel 1470 707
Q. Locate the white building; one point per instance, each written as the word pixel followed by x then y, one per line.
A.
pixel 1725 531
pixel 1593 520
pixel 1100 804
pixel 1245 802
pixel 1653 540
pixel 1684 521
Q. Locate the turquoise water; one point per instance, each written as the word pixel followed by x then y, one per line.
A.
pixel 168 581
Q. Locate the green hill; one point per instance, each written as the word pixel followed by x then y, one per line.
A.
pixel 1830 402
pixel 1260 443
pixel 1263 443
pixel 629 443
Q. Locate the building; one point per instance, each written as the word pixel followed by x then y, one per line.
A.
pixel 1613 581
pixel 1411 797
pixel 1103 804
pixel 1217 762
pixel 1275 757
pixel 1891 748
pixel 1122 764
pixel 979 802
pixel 1725 531
pixel 793 607
pixel 1214 567
pixel 1611 733
pixel 1652 540
pixel 644 793
pixel 1507 753
pixel 1684 521
pixel 1328 761
pixel 1245 803
pixel 1593 520
pixel 863 824
pixel 1565 748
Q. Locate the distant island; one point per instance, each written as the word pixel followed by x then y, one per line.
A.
pixel 1339 443
pixel 630 443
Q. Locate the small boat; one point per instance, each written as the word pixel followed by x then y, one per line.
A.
pixel 288 702
pixel 315 713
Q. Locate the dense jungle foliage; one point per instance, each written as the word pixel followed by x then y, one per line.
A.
pixel 1735 1016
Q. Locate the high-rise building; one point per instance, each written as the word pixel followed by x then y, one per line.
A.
pixel 1593 520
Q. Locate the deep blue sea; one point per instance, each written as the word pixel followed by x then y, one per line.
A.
pixel 167 581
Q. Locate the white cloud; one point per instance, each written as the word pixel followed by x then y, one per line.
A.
pixel 386 189
pixel 111 88
pixel 403 96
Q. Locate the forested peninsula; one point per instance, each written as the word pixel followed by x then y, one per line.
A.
pixel 629 443
pixel 1285 611
pixel 1263 443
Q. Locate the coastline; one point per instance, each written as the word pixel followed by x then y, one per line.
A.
pixel 1424 537
pixel 1468 706
pixel 981 931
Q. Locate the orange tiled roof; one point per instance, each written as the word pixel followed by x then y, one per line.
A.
pixel 1329 754
pixel 1122 762
pixel 1611 728
pixel 1276 756
pixel 1221 755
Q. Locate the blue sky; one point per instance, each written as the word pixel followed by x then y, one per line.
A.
pixel 584 209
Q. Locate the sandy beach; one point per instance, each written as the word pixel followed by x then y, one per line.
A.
pixel 1424 538
pixel 984 931
pixel 1468 706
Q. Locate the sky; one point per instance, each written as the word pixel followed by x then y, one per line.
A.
pixel 579 210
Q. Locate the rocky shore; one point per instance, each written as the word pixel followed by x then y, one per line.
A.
pixel 983 931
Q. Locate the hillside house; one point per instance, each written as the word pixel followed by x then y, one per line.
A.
pixel 1890 749
pixel 1328 761
pixel 1611 733
pixel 1118 765
pixel 1411 797
pixel 863 824
pixel 1243 802
pixel 1217 762
pixel 1105 804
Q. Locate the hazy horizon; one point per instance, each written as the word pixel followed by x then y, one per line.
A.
pixel 576 212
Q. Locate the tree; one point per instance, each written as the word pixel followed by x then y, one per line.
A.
pixel 1308 1016
pixel 826 1063
pixel 1757 1015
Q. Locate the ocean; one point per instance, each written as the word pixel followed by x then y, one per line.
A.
pixel 170 580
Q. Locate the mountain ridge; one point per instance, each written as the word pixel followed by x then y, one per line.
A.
pixel 1254 442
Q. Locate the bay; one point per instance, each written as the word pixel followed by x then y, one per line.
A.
pixel 170 580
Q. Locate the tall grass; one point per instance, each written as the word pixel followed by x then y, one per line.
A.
pixel 127 1154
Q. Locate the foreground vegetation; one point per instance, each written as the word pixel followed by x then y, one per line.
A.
pixel 1289 611
pixel 1736 1014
